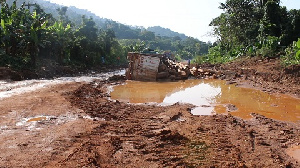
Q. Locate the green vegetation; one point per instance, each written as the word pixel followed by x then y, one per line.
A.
pixel 255 27
pixel 73 37
pixel 28 35
pixel 292 54
pixel 31 33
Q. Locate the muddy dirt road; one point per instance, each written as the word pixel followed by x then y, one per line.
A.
pixel 29 143
pixel 74 124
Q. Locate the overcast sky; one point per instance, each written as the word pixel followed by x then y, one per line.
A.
pixel 190 17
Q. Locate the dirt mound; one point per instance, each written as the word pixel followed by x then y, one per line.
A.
pixel 261 73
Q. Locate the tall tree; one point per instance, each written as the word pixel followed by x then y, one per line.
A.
pixel 238 24
pixel 61 39
pixel 107 38
pixel 246 21
pixel 87 42
pixel 271 21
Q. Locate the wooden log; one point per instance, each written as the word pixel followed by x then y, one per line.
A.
pixel 162 75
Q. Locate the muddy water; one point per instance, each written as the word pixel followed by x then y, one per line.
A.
pixel 210 97
pixel 37 119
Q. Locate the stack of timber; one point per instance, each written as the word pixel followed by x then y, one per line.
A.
pixel 204 73
pixel 169 69
pixel 153 67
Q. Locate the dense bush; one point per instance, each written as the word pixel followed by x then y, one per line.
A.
pixel 292 54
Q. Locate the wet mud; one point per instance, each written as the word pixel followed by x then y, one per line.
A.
pixel 170 136
pixel 264 74
pixel 85 128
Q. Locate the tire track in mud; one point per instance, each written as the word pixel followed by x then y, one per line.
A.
pixel 148 135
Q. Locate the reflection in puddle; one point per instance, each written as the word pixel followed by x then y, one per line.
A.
pixel 37 119
pixel 205 110
pixel 146 92
pixel 32 121
pixel 211 96
pixel 199 95
pixel 37 122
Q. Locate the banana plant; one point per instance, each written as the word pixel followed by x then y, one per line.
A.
pixel 298 50
pixel 34 41
pixel 292 54
pixel 62 38
pixel 22 31
pixel 6 26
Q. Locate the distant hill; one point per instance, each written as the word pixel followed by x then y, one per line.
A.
pixel 122 31
pixel 73 13
pixel 160 31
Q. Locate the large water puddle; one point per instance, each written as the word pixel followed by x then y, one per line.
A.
pixel 210 97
